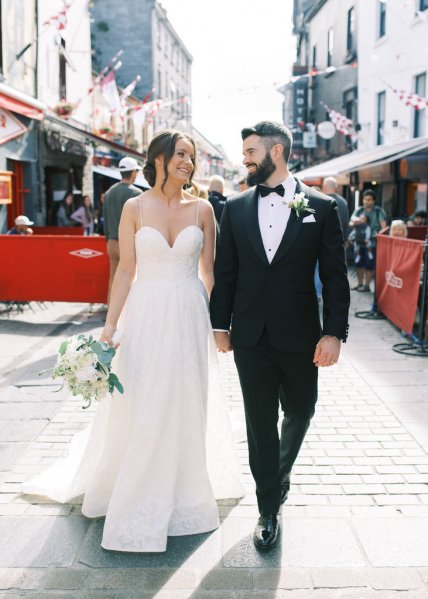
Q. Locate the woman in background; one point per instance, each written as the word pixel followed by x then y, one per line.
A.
pixel 65 210
pixel 85 216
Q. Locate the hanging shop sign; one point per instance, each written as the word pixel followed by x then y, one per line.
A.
pixel 326 130
pixel 10 126
pixel 309 139
pixel 5 187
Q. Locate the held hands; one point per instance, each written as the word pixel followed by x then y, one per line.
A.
pixel 109 335
pixel 327 351
pixel 222 341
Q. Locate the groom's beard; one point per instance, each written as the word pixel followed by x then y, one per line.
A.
pixel 263 171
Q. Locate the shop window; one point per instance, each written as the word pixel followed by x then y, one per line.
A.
pixel 380 131
pixel 419 115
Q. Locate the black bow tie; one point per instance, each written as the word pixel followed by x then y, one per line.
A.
pixel 265 191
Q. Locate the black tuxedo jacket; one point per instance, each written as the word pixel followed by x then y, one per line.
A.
pixel 250 294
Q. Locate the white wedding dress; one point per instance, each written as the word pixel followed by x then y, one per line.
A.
pixel 156 457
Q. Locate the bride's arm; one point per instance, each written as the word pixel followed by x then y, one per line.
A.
pixel 125 271
pixel 206 262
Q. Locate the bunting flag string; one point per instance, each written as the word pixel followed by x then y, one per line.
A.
pixel 130 88
pixel 113 65
pixel 59 19
pixel 411 99
pixel 314 72
pixel 342 123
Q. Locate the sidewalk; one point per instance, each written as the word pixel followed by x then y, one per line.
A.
pixel 355 524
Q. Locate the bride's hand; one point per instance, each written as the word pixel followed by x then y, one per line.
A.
pixel 108 334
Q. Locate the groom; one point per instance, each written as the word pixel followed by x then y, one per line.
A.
pixel 264 307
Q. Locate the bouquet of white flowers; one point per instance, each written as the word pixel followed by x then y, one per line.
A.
pixel 85 366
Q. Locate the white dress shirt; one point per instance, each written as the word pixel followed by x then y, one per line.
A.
pixel 273 214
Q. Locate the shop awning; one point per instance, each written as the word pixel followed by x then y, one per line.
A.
pixel 115 174
pixel 16 101
pixel 358 159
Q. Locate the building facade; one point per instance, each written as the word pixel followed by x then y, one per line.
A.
pixel 392 60
pixel 64 76
pixel 20 112
pixel 324 77
pixel 152 49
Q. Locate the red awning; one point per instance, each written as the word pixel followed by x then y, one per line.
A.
pixel 20 107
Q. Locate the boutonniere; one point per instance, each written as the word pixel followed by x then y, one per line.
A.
pixel 300 204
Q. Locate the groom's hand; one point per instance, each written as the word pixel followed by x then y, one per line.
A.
pixel 222 341
pixel 327 351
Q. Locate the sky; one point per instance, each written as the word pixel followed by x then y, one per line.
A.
pixel 242 51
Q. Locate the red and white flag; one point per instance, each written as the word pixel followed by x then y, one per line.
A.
pixel 411 99
pixel 342 123
pixel 110 92
pixel 59 20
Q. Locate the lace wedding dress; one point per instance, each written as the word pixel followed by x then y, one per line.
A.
pixel 157 456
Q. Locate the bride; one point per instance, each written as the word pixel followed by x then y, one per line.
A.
pixel 158 456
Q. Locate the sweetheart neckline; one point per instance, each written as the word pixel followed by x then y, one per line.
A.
pixel 171 247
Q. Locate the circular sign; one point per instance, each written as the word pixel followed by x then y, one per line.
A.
pixel 326 129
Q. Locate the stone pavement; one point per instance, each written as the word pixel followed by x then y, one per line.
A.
pixel 355 525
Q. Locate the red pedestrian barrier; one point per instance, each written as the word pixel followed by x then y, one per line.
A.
pixel 58 230
pixel 53 268
pixel 398 273
pixel 417 231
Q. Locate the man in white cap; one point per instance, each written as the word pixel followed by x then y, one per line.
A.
pixel 114 201
pixel 22 226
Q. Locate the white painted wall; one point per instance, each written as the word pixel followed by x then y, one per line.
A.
pixel 19 29
pixel 78 48
pixel 393 60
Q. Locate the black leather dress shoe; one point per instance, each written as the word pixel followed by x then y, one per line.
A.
pixel 266 532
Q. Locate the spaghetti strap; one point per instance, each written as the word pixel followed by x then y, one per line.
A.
pixel 197 211
pixel 141 212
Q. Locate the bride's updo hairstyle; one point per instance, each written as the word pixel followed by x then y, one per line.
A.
pixel 164 144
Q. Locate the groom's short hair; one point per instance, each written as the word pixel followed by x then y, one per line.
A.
pixel 273 133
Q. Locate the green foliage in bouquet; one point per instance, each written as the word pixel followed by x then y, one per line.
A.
pixel 85 367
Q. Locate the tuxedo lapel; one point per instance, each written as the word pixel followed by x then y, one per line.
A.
pixel 292 229
pixel 252 228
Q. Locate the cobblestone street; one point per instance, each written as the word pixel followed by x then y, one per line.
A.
pixel 355 524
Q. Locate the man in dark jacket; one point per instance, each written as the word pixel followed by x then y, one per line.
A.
pixel 264 305
pixel 216 197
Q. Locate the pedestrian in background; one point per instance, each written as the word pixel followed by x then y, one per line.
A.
pixel 115 199
pixel 84 216
pixel 65 210
pixel 99 215
pixel 22 226
pixel 329 188
pixel 375 217
pixel 243 185
pixel 418 218
pixel 216 195
pixel 398 228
